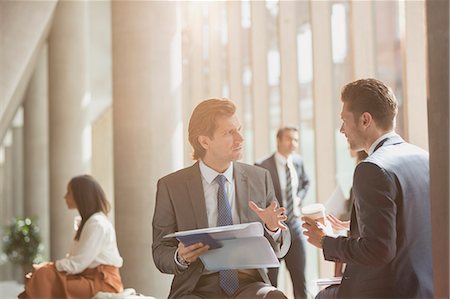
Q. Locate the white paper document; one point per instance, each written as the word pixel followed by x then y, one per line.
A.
pixel 328 281
pixel 336 203
pixel 240 246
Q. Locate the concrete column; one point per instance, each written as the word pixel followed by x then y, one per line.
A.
pixel 36 158
pixel 148 128
pixel 438 45
pixel 100 112
pixel 195 75
pixel 363 37
pixel 215 53
pixel 323 106
pixel 68 101
pixel 290 111
pixel 260 90
pixel 415 73
pixel 235 54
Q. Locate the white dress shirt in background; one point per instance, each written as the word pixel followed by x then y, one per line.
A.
pixel 281 162
pixel 97 246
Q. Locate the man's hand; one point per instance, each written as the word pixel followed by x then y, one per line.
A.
pixel 272 216
pixel 314 231
pixel 338 224
pixel 192 252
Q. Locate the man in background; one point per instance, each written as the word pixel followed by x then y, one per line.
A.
pixel 291 183
pixel 388 250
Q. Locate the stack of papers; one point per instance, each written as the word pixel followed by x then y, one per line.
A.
pixel 328 281
pixel 240 246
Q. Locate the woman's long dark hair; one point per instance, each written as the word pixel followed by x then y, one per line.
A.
pixel 89 197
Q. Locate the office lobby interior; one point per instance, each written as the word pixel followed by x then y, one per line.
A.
pixel 107 88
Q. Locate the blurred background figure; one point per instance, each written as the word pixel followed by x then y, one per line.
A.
pixel 291 183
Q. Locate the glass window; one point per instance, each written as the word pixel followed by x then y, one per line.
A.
pixel 389 54
pixel 342 71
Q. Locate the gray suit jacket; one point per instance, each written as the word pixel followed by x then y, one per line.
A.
pixel 180 205
pixel 303 179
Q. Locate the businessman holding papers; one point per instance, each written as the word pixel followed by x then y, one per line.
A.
pixel 215 191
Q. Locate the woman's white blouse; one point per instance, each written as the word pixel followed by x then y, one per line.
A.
pixel 97 246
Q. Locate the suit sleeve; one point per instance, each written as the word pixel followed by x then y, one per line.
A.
pixel 375 192
pixel 281 246
pixel 303 181
pixel 164 222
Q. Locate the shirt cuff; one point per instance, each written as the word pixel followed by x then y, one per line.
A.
pixel 178 261
pixel 275 235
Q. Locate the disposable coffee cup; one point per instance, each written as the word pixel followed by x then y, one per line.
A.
pixel 315 211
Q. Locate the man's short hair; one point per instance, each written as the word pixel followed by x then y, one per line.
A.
pixel 204 122
pixel 284 129
pixel 374 97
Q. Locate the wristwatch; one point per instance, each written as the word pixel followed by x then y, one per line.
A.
pixel 181 260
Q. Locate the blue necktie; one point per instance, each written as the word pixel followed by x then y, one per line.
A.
pixel 228 279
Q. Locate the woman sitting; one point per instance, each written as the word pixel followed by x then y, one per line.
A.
pixel 93 263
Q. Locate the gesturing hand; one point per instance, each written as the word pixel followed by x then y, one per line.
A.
pixel 272 216
pixel 338 224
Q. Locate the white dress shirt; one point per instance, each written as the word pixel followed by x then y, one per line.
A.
pixel 97 246
pixel 374 145
pixel 281 162
pixel 211 188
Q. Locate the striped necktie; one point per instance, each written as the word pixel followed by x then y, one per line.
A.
pixel 228 279
pixel 289 198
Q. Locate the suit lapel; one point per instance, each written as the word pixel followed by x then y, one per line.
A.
pixel 197 196
pixel 242 191
pixel 275 179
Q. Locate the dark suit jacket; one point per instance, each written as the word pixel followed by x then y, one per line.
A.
pixel 180 205
pixel 388 252
pixel 303 179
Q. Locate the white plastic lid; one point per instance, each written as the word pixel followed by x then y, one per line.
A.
pixel 313 208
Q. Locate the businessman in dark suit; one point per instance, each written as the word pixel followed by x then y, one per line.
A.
pixel 388 251
pixel 290 193
pixel 215 191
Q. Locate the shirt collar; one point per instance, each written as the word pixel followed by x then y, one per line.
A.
pixel 374 145
pixel 210 174
pixel 282 159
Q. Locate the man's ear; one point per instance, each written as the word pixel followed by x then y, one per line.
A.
pixel 204 141
pixel 366 119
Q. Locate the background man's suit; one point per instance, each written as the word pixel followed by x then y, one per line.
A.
pixel 180 205
pixel 388 252
pixel 295 258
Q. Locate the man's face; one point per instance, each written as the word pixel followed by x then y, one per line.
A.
pixel 288 143
pixel 353 129
pixel 227 141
